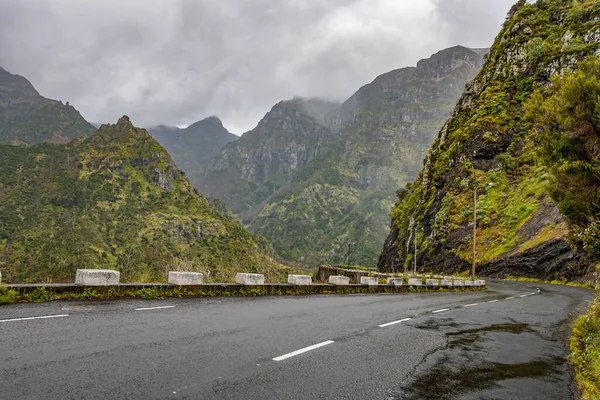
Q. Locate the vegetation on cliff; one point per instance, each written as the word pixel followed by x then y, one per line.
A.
pixel 315 176
pixel 567 117
pixel 115 200
pixel 489 145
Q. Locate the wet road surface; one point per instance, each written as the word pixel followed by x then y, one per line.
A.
pixel 509 342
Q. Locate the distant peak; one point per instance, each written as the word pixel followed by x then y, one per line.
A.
pixel 124 120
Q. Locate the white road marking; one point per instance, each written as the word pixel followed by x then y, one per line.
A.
pixel 304 350
pixel 394 322
pixel 438 311
pixel 492 301
pixel 472 304
pixel 532 293
pixel 509 298
pixel 153 308
pixel 30 318
pixel 523 295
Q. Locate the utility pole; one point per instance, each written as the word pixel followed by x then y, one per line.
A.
pixel 415 243
pixel 474 232
pixel 348 255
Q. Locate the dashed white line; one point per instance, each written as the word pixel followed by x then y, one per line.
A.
pixel 509 298
pixel 30 318
pixel 523 295
pixel 394 322
pixel 439 311
pixel 471 305
pixel 304 350
pixel 492 301
pixel 153 308
pixel 532 293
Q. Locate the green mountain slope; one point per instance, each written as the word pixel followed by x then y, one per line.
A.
pixel 265 159
pixel 488 144
pixel 381 135
pixel 192 148
pixel 115 200
pixel 28 118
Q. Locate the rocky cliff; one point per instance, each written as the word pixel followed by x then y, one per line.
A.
pixel 27 118
pixel 314 176
pixel 194 147
pixel 488 145
pixel 250 170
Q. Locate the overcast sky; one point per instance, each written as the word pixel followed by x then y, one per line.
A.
pixel 177 61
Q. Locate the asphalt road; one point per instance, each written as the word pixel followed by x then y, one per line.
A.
pixel 478 345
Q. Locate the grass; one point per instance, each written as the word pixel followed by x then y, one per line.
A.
pixel 8 296
pixel 585 351
pixel 586 285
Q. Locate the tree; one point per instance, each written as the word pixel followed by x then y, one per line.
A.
pixel 567 117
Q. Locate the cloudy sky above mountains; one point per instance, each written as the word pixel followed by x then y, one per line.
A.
pixel 177 61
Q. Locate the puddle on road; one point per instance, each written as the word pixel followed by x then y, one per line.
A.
pixel 446 381
pixel 472 363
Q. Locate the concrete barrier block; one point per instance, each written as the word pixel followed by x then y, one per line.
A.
pixel 432 282
pixel 469 282
pixel 415 282
pixel 459 282
pixel 339 280
pixel 299 279
pixel 367 280
pixel 97 277
pixel 394 281
pixel 446 283
pixel 185 278
pixel 249 279
pixel 480 283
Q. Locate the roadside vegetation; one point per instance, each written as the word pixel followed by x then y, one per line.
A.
pixel 567 116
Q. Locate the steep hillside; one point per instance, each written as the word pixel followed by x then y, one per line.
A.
pixel 28 118
pixel 115 200
pixel 489 145
pixel 265 159
pixel 193 148
pixel 381 135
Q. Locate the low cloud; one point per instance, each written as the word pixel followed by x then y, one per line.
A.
pixel 177 61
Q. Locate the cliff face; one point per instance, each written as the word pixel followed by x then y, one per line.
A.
pixel 115 200
pixel 315 175
pixel 382 133
pixel 194 147
pixel 28 118
pixel 265 159
pixel 488 145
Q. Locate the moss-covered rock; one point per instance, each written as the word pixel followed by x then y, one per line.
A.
pixel 488 144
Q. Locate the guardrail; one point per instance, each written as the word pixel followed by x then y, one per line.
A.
pixel 102 277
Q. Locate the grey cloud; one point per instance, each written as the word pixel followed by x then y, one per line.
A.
pixel 176 61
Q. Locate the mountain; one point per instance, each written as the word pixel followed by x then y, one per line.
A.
pixel 193 147
pixel 489 144
pixel 314 176
pixel 28 118
pixel 115 200
pixel 250 170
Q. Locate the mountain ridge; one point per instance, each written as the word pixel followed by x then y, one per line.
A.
pixel 115 200
pixel 27 118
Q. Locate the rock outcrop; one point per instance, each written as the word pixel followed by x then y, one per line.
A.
pixel 488 145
